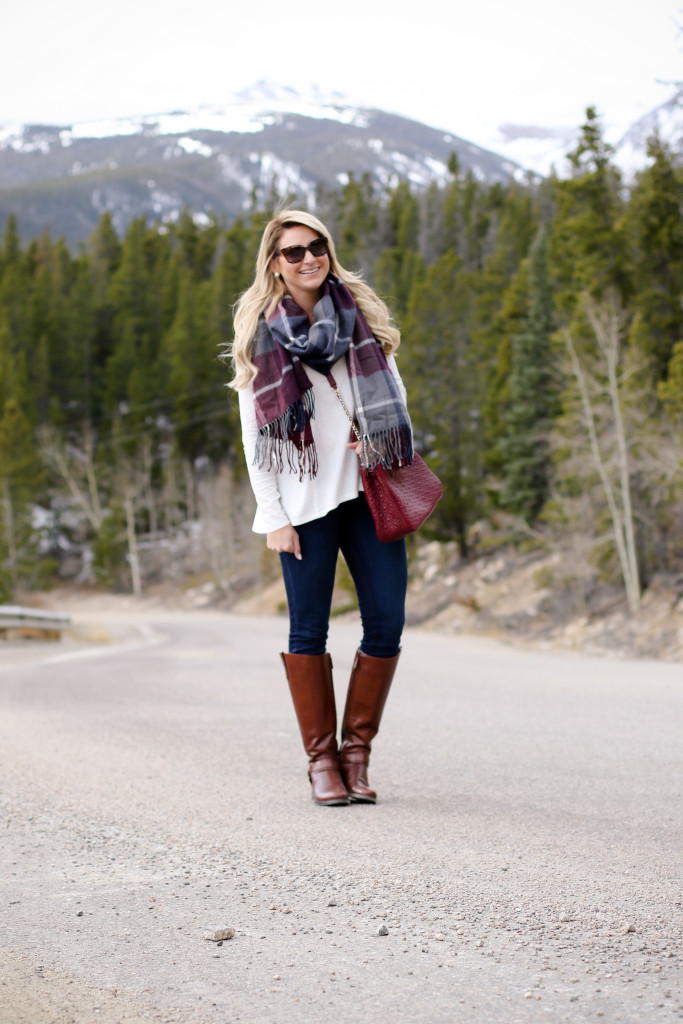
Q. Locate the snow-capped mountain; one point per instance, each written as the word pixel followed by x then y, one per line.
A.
pixel 217 159
pixel 265 141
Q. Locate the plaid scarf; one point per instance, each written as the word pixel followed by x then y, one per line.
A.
pixel 283 392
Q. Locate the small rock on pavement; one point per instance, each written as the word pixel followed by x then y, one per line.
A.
pixel 218 934
pixel 629 928
pixel 382 930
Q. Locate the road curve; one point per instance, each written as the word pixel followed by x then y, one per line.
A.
pixel 525 856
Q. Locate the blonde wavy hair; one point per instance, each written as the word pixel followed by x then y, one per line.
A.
pixel 267 290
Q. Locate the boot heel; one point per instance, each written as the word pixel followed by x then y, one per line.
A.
pixel 329 785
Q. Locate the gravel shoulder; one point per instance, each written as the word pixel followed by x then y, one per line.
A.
pixel 525 857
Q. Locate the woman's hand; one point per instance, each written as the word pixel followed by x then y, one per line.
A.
pixel 357 447
pixel 286 539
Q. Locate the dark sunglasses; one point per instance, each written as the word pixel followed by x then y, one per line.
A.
pixel 295 253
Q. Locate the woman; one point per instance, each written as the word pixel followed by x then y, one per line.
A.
pixel 305 327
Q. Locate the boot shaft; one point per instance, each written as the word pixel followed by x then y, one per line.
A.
pixel 310 684
pixel 369 687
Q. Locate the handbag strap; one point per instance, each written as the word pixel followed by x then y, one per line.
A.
pixel 357 434
pixel 335 387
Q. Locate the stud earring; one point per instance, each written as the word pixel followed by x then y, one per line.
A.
pixel 276 274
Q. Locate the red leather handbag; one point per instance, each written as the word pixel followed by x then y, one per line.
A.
pixel 402 499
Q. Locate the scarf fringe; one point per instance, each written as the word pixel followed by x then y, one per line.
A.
pixel 275 440
pixel 388 448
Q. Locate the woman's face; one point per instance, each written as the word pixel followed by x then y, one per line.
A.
pixel 303 280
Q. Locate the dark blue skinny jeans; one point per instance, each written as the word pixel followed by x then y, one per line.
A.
pixel 379 571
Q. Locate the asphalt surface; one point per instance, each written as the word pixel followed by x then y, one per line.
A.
pixel 525 856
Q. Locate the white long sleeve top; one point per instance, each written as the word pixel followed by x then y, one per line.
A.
pixel 281 497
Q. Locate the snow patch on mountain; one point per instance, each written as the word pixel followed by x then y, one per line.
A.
pixel 15 136
pixel 77 168
pixel 440 172
pixel 99 130
pixel 315 103
pixel 248 111
pixel 232 172
pixel 265 173
pixel 194 146
pixel 282 176
pixel 10 133
pixel 419 172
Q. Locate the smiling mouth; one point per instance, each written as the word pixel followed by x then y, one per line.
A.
pixel 313 271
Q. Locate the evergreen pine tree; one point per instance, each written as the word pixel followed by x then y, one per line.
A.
pixel 400 264
pixel 499 306
pixel 357 225
pixel 505 325
pixel 134 295
pixel 189 360
pixel 445 391
pixel 21 477
pixel 525 446
pixel 656 225
pixel 587 245
pixel 56 379
pixel 670 391
pixel 11 247
pixel 16 342
pixel 102 262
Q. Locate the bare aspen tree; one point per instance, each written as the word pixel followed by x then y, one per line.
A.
pixel 149 498
pixel 129 483
pixel 194 527
pixel 170 498
pixel 89 463
pixel 609 445
pixel 8 520
pixel 190 485
pixel 76 466
pixel 215 494
pixel 133 556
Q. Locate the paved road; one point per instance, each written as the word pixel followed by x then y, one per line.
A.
pixel 525 857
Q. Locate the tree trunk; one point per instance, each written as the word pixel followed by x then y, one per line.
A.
pixel 89 502
pixel 608 338
pixel 132 545
pixel 8 517
pixel 622 517
pixel 147 466
pixel 90 474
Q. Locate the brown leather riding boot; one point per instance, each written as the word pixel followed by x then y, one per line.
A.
pixel 310 683
pixel 367 694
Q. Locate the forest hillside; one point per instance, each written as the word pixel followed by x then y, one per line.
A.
pixel 542 349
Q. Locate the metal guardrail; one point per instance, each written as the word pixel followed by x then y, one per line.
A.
pixel 15 617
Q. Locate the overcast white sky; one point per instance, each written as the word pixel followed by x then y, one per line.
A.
pixel 464 67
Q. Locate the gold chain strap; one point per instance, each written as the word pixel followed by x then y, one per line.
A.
pixel 355 429
pixel 351 419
